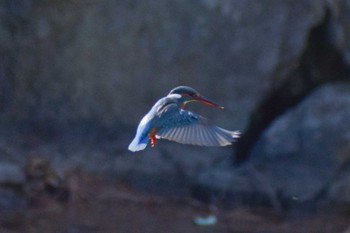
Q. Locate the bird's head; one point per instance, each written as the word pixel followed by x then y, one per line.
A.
pixel 189 94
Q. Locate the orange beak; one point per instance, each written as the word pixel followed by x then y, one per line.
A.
pixel 208 102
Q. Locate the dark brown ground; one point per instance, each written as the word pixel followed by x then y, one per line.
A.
pixel 101 206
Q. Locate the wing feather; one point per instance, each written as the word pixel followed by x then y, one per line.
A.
pixel 189 128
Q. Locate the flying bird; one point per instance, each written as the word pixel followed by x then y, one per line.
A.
pixel 169 120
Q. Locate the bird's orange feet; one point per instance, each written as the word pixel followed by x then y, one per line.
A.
pixel 152 136
pixel 153 141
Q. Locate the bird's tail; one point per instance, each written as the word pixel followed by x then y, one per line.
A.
pixel 138 144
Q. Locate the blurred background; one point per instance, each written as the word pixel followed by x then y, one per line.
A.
pixel 76 77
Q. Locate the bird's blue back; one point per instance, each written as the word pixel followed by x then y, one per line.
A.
pixel 162 116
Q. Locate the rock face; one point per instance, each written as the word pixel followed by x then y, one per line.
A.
pixel 77 76
pixel 73 60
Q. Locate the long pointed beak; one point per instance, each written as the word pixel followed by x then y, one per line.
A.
pixel 208 102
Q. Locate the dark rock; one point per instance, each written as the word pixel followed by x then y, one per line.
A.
pixel 79 58
pixel 301 153
pixel 11 200
pixel 11 174
pixel 320 63
pixel 42 180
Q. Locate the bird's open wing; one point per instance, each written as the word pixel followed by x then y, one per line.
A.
pixel 189 128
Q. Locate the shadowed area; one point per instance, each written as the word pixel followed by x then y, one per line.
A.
pixel 320 63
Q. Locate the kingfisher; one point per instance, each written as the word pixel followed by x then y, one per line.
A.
pixel 168 119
